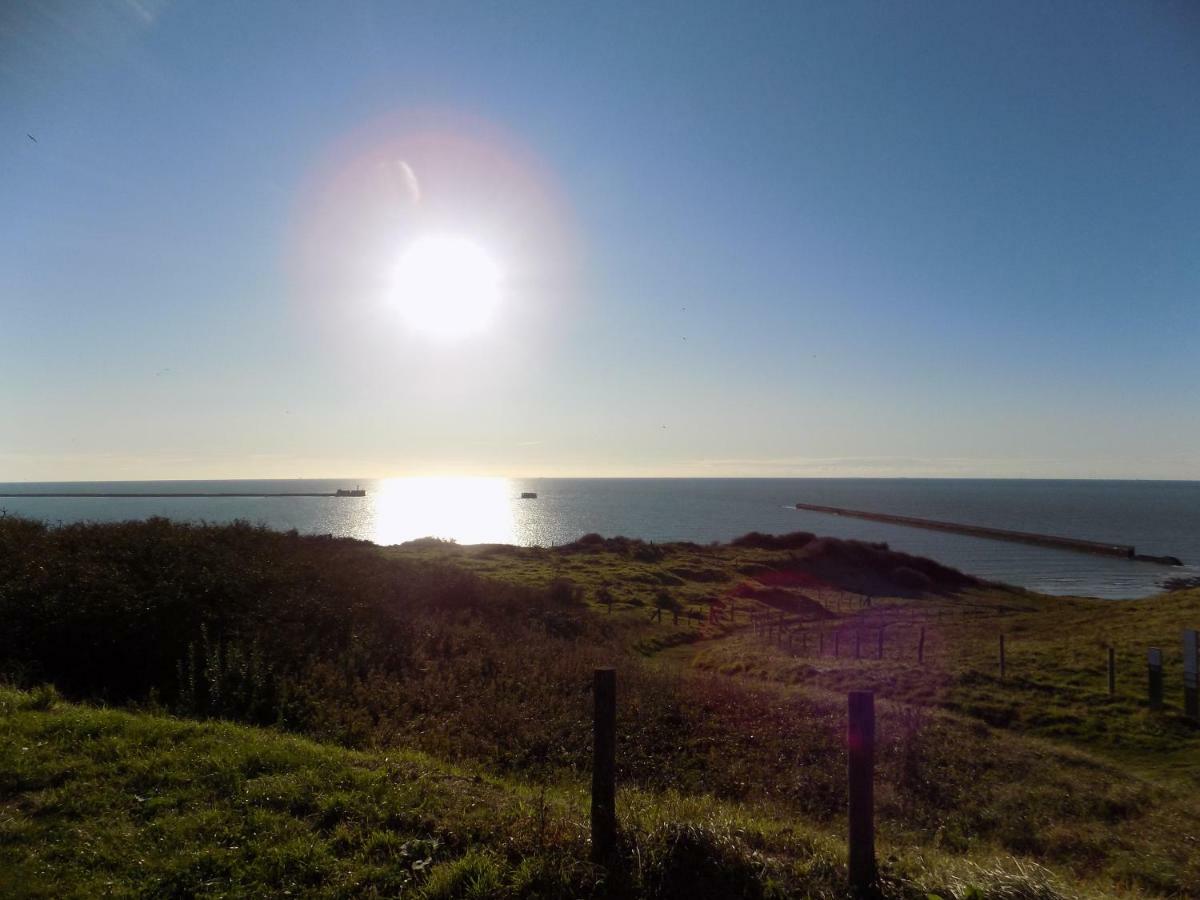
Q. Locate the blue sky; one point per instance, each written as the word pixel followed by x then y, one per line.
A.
pixel 773 239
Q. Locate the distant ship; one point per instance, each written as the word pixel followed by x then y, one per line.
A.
pixel 528 495
pixel 357 492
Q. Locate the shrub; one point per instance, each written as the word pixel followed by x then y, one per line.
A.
pixel 42 698
pixel 758 540
pixel 565 592
pixel 908 577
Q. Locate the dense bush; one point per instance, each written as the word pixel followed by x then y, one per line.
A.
pixel 759 541
pixel 908 577
pixel 872 568
pixel 199 616
pixel 634 548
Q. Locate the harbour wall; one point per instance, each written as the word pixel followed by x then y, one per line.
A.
pixel 1127 551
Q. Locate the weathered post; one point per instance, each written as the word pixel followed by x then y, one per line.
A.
pixel 1154 666
pixel 1002 665
pixel 860 740
pixel 1112 672
pixel 1191 673
pixel 804 642
pixel 879 651
pixel 837 643
pixel 858 644
pixel 604 758
pixel 820 643
pixel 921 647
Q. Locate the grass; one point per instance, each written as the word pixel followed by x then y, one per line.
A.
pixel 430 720
pixel 1055 685
pixel 103 802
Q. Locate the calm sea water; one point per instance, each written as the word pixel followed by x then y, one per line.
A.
pixel 1157 517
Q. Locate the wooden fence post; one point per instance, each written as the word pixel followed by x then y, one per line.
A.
pixel 879 652
pixel 1191 673
pixel 921 647
pixel 820 643
pixel 604 758
pixel 837 643
pixel 858 644
pixel 1154 666
pixel 1002 661
pixel 860 739
pixel 1112 672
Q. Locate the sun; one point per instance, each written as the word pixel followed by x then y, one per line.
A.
pixel 447 286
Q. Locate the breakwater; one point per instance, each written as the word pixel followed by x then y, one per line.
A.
pixel 175 496
pixel 1126 551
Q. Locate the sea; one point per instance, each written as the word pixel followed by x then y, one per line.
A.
pixel 1158 517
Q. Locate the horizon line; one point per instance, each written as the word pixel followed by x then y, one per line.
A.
pixel 944 477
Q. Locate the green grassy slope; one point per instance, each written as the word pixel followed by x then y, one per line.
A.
pixel 109 803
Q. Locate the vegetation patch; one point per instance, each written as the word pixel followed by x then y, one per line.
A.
pixel 448 687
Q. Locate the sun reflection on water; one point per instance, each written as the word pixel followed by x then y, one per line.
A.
pixel 467 510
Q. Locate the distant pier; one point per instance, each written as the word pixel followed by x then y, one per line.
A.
pixel 1124 551
pixel 177 496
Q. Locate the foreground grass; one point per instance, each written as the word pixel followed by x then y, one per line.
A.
pixel 98 802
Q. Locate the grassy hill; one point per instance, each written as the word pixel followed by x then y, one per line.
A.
pixel 423 720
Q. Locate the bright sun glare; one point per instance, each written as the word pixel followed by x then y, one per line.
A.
pixel 447 286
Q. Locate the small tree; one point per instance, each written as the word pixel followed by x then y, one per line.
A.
pixel 662 600
pixel 605 595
